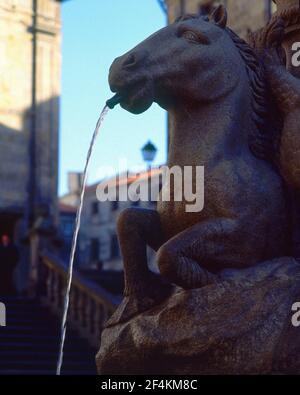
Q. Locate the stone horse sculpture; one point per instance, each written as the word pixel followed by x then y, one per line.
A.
pixel 223 116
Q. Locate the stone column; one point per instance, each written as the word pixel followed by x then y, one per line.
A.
pixel 290 12
pixel 207 7
pixel 42 237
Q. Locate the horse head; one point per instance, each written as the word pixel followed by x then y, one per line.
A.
pixel 192 60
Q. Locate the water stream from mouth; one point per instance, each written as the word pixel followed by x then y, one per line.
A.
pixel 76 231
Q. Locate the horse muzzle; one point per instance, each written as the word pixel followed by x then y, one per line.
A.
pixel 126 69
pixel 128 78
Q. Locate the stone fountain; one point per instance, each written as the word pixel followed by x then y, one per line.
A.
pixel 229 274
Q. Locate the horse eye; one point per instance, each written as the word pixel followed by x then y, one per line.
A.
pixel 194 37
pixel 190 36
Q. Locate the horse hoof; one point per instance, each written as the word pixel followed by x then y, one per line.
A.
pixel 134 305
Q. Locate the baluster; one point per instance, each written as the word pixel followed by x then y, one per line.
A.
pixel 99 322
pixel 74 304
pixel 42 281
pixel 102 316
pixel 62 291
pixel 56 291
pixel 91 317
pixel 50 281
pixel 82 310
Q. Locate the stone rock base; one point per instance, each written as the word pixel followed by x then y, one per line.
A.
pixel 241 325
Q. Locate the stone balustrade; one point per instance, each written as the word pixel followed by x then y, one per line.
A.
pixel 90 305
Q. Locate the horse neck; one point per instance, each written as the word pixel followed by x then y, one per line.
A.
pixel 207 132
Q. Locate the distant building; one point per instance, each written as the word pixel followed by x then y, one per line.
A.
pixel 244 15
pixel 98 241
pixel 98 238
pixel 67 216
pixel 68 205
pixel 30 60
pixel 71 198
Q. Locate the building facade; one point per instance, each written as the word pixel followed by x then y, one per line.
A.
pixel 67 217
pixel 98 241
pixel 243 15
pixel 30 61
pixel 98 238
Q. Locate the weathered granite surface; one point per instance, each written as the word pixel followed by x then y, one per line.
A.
pixel 242 325
pixel 234 109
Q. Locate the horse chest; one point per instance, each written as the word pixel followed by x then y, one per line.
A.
pixel 175 218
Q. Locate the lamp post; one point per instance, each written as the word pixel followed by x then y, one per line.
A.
pixel 289 11
pixel 149 152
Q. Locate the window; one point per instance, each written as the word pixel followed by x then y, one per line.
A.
pixel 95 208
pixel 68 228
pixel 136 204
pixel 152 205
pixel 114 247
pixel 115 206
pixel 94 250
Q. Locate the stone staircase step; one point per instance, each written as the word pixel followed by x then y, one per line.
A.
pixel 29 343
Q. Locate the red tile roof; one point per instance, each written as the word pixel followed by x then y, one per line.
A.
pixel 66 208
pixel 123 180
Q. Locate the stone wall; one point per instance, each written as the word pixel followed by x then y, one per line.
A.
pixel 247 15
pixel 15 100
pixel 243 14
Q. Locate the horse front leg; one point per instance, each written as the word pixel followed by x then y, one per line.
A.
pixel 193 258
pixel 138 228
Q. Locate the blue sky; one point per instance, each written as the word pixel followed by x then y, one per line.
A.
pixel 95 32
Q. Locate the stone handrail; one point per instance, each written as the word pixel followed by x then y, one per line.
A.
pixel 90 305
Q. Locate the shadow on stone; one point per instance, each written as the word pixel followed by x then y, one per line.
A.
pixel 242 325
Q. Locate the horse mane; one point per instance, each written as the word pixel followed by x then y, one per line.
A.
pixel 264 138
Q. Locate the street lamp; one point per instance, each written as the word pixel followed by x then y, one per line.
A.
pixel 149 152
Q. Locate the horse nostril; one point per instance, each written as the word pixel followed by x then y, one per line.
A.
pixel 130 61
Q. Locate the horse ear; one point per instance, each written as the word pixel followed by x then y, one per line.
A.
pixel 219 16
